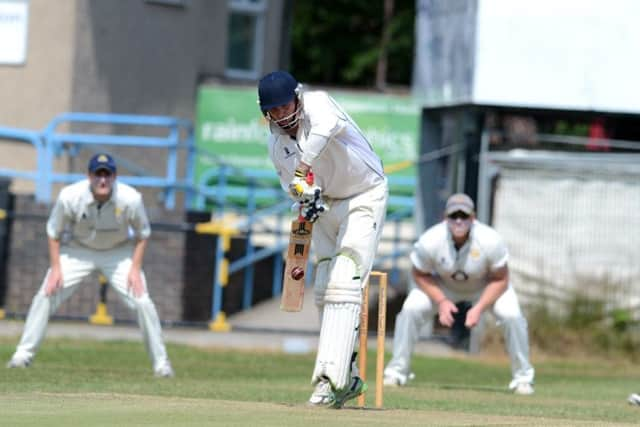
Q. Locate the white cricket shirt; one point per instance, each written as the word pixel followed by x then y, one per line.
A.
pixel 346 166
pixel 465 270
pixel 96 226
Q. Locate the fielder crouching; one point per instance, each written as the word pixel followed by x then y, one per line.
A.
pixel 347 201
pixel 461 259
pixel 107 229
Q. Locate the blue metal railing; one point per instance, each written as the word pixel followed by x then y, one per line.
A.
pixel 50 144
pixel 216 187
pixel 35 140
pixel 55 142
pixel 256 194
pixel 242 190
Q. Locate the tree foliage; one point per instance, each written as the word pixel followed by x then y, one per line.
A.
pixel 339 42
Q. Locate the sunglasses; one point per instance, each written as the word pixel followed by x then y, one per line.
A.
pixel 103 173
pixel 458 215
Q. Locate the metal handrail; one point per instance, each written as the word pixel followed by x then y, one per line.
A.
pixel 259 188
pixel 54 144
pixel 214 187
pixel 33 138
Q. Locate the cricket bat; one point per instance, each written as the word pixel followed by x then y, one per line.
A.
pixel 296 262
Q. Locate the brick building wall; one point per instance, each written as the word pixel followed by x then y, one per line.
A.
pixel 28 260
pixel 178 264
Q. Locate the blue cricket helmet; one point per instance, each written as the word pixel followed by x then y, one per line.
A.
pixel 276 89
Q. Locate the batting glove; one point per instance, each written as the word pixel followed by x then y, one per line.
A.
pixel 309 211
pixel 302 188
pixel 312 211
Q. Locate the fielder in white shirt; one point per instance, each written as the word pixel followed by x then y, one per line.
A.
pixel 461 259
pixel 347 202
pixel 96 224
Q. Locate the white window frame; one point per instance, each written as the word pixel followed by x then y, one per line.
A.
pixel 14 29
pixel 258 10
pixel 175 3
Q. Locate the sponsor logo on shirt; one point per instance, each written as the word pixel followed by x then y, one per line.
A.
pixel 288 153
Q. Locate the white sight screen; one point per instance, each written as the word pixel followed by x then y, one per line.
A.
pixel 569 54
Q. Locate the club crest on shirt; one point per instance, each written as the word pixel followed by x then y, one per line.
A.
pixel 474 253
pixel 118 212
pixel 459 276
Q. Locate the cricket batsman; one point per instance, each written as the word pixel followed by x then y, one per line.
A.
pixel 347 202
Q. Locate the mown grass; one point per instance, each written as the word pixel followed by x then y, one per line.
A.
pixel 110 383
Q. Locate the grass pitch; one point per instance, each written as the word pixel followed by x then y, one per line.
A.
pixel 110 383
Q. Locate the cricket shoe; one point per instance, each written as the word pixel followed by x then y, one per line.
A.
pixel 634 399
pixel 18 362
pixel 391 380
pixel 522 388
pixel 322 395
pixel 353 390
pixel 164 371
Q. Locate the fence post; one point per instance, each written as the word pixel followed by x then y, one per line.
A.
pixel 172 166
pixel 224 231
pixel 43 185
pixel 247 294
pixel 190 165
pixel 278 261
pixel 101 316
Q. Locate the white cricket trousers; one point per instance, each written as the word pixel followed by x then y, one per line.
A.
pixel 417 310
pixel 353 227
pixel 345 240
pixel 76 264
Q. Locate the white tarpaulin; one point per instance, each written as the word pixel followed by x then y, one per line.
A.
pixel 571 233
pixel 569 54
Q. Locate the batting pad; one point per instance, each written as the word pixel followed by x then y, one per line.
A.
pixel 321 280
pixel 344 281
pixel 337 340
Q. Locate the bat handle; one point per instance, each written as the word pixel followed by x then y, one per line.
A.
pixel 309 180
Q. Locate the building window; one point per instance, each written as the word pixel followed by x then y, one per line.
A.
pixel 245 49
pixel 176 3
pixel 14 20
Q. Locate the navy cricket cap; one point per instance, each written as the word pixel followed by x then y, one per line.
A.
pixel 102 161
pixel 276 89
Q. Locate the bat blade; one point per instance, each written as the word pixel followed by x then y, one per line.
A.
pixel 297 256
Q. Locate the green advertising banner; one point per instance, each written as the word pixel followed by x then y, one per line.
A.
pixel 231 129
pixel 230 126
